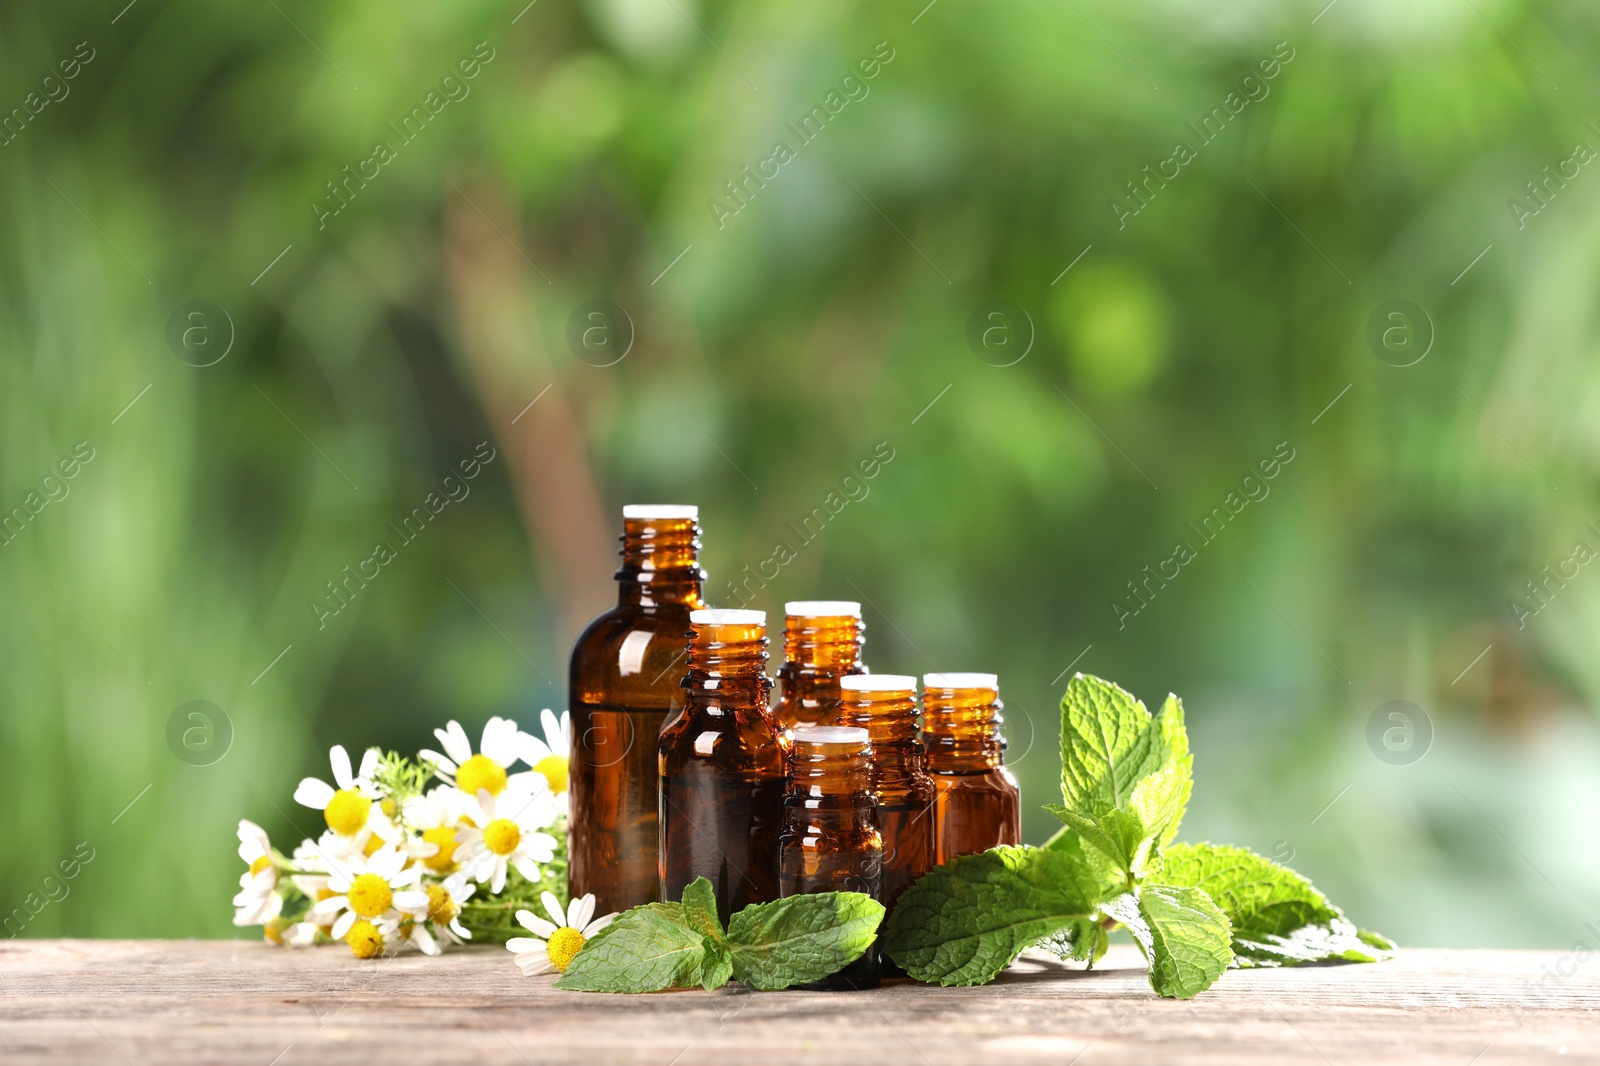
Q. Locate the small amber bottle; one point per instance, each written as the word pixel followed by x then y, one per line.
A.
pixel 979 805
pixel 627 670
pixel 822 642
pixel 885 705
pixel 830 840
pixel 722 767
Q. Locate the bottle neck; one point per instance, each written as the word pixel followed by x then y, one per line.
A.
pixel 728 669
pixel 961 728
pixel 660 563
pixel 890 719
pixel 817 652
pixel 820 773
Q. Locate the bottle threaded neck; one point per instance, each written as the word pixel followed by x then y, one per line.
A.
pixel 830 762
pixel 726 650
pixel 885 706
pixel 660 557
pixel 961 726
pixel 822 644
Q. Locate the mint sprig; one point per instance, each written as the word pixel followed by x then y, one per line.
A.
pixel 767 946
pixel 1194 910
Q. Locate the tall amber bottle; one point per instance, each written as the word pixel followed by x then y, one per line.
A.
pixel 830 840
pixel 822 642
pixel 721 767
pixel 979 805
pixel 885 705
pixel 625 682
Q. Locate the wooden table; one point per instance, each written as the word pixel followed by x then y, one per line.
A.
pixel 179 1002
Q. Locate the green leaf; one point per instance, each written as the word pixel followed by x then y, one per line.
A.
pixel 965 921
pixel 645 950
pixel 1081 941
pixel 799 939
pixel 1126 776
pixel 1278 918
pixel 1183 935
pixel 700 908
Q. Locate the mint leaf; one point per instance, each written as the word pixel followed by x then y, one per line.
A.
pixel 1125 776
pixel 965 921
pixel 1080 941
pixel 799 939
pixel 1183 934
pixel 700 908
pixel 1278 918
pixel 645 950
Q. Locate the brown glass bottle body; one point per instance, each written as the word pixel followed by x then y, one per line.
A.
pixel 830 840
pixel 979 804
pixel 721 768
pixel 818 650
pixel 624 684
pixel 904 792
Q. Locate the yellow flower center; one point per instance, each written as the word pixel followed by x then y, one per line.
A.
pixel 444 860
pixel 554 768
pixel 442 910
pixel 374 842
pixel 365 941
pixel 502 836
pixel 480 771
pixel 260 864
pixel 272 931
pixel 562 946
pixel 370 895
pixel 347 812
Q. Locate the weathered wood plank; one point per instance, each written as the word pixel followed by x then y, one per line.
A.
pixel 234 1001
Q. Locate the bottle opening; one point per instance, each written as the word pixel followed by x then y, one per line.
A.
pixel 878 683
pixel 726 617
pixel 661 510
pixel 961 681
pixel 831 734
pixel 822 609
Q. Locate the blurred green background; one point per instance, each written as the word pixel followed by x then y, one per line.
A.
pixel 843 304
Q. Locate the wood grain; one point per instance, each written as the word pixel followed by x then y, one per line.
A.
pixel 244 1002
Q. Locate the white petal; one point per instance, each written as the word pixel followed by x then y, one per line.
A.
pixel 342 927
pixel 455 742
pixel 535 924
pixel 552 907
pixel 534 965
pixel 486 805
pixel 524 786
pixel 499 882
pixel 327 908
pixel 440 763
pixel 500 741
pixel 599 924
pixel 369 764
pixel 341 766
pixel 525 865
pixel 555 732
pixel 520 944
pixel 424 940
pixel 540 846
pixel 460 930
pixel 411 901
pixel 313 793
pixel 386 862
pixel 581 911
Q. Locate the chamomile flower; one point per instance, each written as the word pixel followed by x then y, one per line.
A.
pixel 489 769
pixel 555 942
pixel 258 900
pixel 349 808
pixel 375 892
pixel 551 755
pixel 506 832
pixel 439 923
pixel 436 815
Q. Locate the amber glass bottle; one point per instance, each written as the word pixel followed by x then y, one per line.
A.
pixel 979 804
pixel 721 766
pixel 822 642
pixel 885 705
pixel 830 840
pixel 627 669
